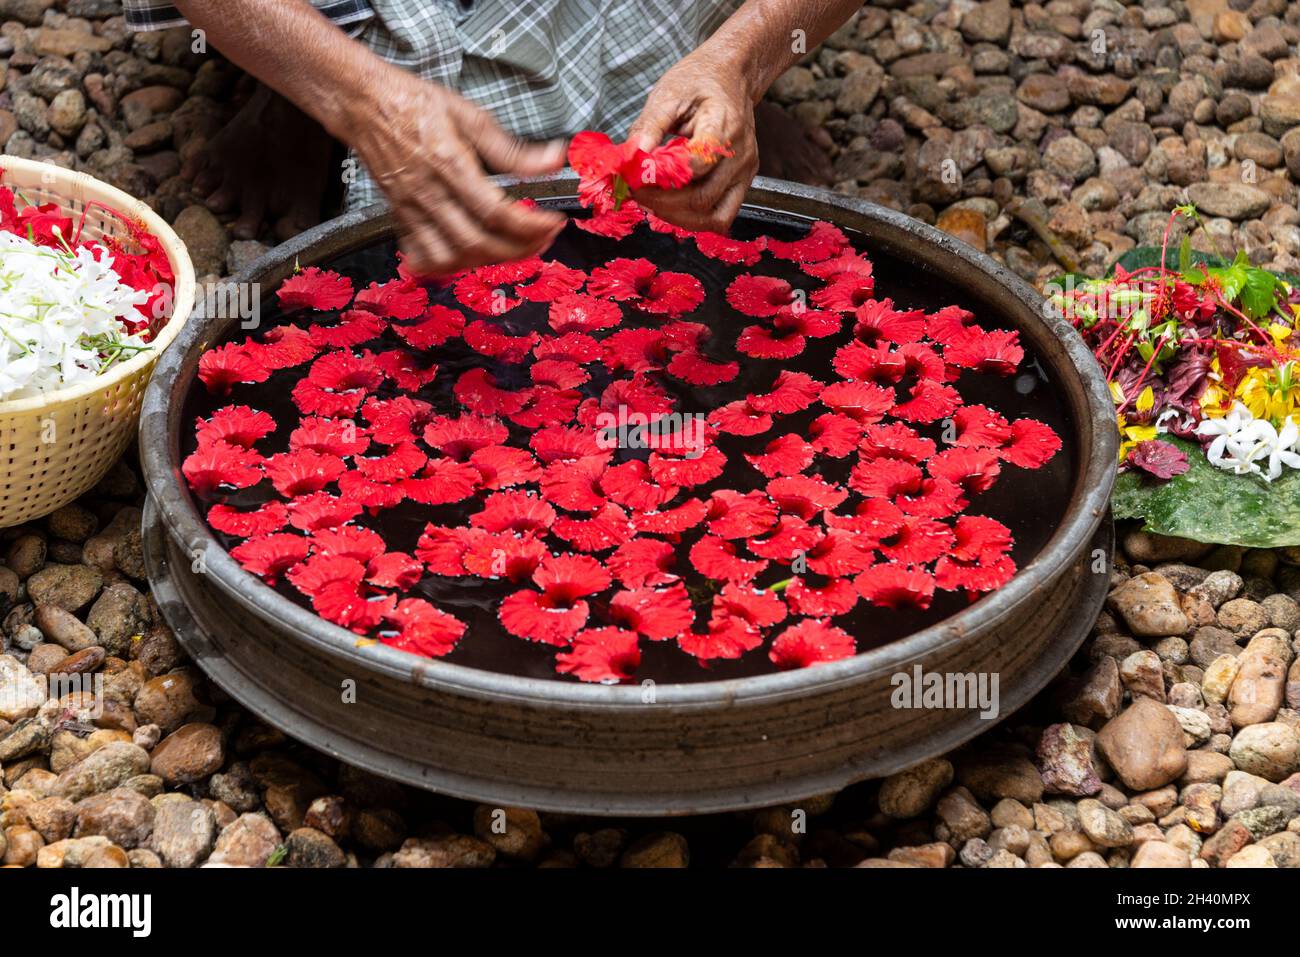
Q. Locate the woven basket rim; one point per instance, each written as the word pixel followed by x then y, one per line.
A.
pixel 183 290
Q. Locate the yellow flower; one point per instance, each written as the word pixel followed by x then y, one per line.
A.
pixel 1131 435
pixel 1269 393
pixel 1146 400
pixel 1215 402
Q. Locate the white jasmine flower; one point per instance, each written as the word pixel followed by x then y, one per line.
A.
pixel 1249 446
pixel 63 316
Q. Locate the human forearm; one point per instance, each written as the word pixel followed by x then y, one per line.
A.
pixel 764 38
pixel 425 145
pixel 296 51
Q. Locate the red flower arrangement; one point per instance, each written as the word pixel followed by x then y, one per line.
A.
pixel 796 502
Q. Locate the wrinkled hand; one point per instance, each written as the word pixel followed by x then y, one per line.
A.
pixel 427 147
pixel 705 100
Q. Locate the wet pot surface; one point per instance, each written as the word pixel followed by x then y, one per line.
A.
pixel 492 723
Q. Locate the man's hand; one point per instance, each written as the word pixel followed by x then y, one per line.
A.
pixel 711 94
pixel 703 99
pixel 426 147
pixel 424 144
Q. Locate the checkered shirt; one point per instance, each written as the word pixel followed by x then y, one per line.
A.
pixel 543 68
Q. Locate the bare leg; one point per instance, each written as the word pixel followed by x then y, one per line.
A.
pixel 789 150
pixel 270 163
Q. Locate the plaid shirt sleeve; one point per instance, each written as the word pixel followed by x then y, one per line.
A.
pixel 161 15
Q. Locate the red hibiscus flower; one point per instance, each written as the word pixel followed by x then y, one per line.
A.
pixel 226 366
pixel 836 597
pixel 398 299
pixel 998 351
pixel 263 520
pixel 437 325
pixel 811 642
pixel 422 629
pixel 657 613
pixel 894 586
pixel 302 472
pixel 641 562
pixel 580 313
pixel 270 556
pixel 218 464
pixel 607 655
pixel 1032 444
pixel 236 424
pixel 315 289
pixel 823 241
pixel 760 295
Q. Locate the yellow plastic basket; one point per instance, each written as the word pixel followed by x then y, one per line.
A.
pixel 57 446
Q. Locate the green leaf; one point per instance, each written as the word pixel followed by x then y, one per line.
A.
pixel 1259 295
pixel 1142 257
pixel 1212 505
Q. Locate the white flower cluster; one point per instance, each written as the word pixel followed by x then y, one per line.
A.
pixel 61 316
pixel 1246 445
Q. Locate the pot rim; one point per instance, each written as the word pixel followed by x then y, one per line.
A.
pixel 159 451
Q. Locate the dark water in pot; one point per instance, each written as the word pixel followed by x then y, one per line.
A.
pixel 1028 502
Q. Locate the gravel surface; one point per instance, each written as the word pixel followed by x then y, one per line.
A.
pixel 1054 136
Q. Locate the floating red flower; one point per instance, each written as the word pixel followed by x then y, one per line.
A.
pixel 552 281
pixel 606 655
pixel 270 556
pixel 407 370
pixel 1032 444
pixel 226 366
pixel 461 437
pixel 697 370
pixel 398 299
pixel 735 252
pixel 718 558
pixel 422 629
pixel 314 288
pixel 836 596
pixel 442 482
pixel 740 418
pixel 760 296
pixel 613 223
pixel 670 521
pixel 236 424
pixel 980 427
pixel 788 455
pixel 266 518
pixel 657 613
pixel 975 470
pixel 727 638
pixel 811 642
pixel 217 464
pixel 791 392
pixel 286 347
pixel 894 586
pixel 919 541
pixel 437 325
pixel 353 328
pixel 580 313
pixel 998 351
pixel 736 515
pixel 641 562
pixel 302 472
